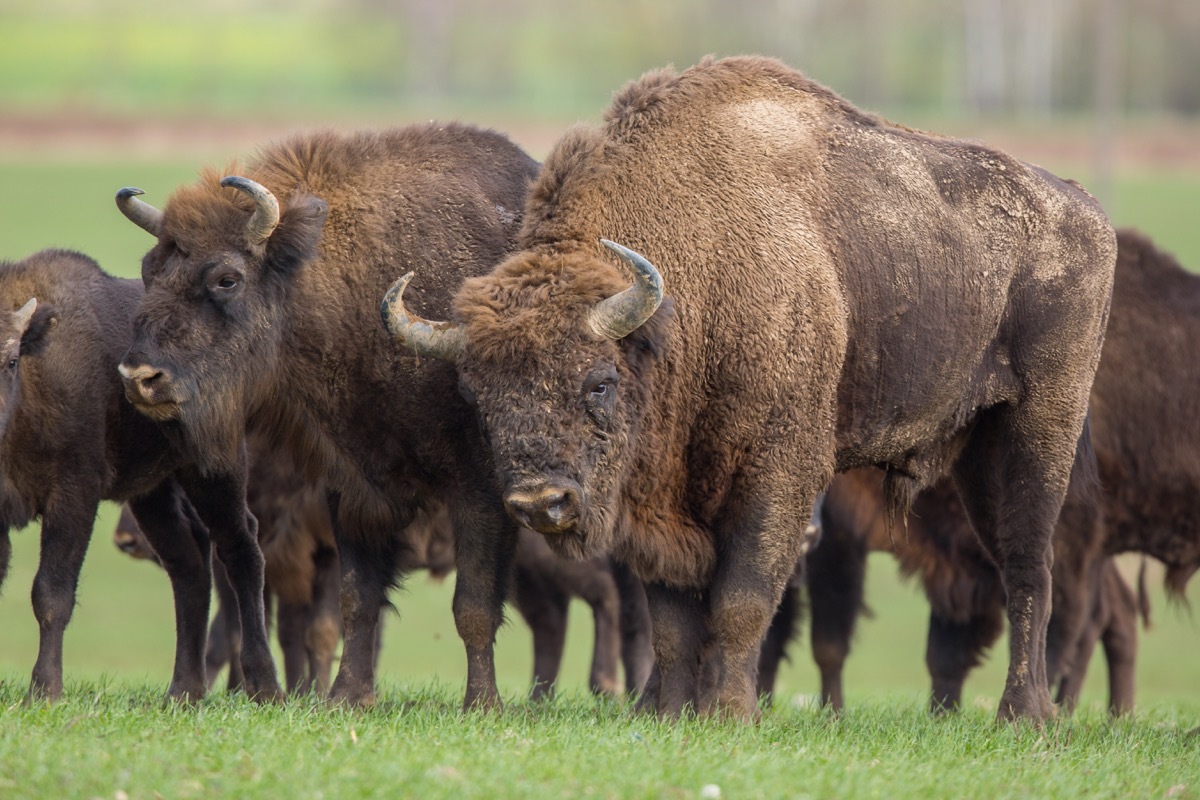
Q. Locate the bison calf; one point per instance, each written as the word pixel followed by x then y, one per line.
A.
pixel 70 440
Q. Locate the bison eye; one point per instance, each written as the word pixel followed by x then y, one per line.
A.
pixel 600 394
pixel 225 285
pixel 12 363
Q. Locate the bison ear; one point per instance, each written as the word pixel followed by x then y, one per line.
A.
pixel 294 241
pixel 647 343
pixel 33 341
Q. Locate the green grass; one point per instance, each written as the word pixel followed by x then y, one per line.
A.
pixel 115 740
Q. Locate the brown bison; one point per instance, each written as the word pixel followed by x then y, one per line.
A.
pixel 70 440
pixel 262 304
pixel 966 596
pixel 1145 423
pixel 843 292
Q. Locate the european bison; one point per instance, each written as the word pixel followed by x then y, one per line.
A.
pixel 966 597
pixel 1145 423
pixel 70 440
pixel 843 292
pixel 262 303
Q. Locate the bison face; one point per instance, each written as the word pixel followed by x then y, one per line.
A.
pixel 558 363
pixel 560 425
pixel 207 332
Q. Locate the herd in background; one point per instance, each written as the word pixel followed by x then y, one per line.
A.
pixel 823 304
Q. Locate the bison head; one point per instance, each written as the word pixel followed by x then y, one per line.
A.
pixel 21 333
pixel 556 355
pixel 207 332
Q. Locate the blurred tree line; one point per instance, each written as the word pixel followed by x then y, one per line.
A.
pixel 550 58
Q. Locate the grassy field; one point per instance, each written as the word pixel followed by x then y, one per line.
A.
pixel 111 738
pixel 117 741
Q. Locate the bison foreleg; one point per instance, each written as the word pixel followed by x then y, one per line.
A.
pixel 368 568
pixel 226 627
pixel 544 608
pixel 66 530
pixel 485 545
pixel 220 501
pixel 637 652
pixel 680 633
pixel 1120 641
pixel 183 548
pixel 835 572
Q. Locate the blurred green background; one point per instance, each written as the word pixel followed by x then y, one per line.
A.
pixel 99 95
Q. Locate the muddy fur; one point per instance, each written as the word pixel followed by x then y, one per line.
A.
pixel 71 440
pixel 297 347
pixel 842 292
pixel 1143 426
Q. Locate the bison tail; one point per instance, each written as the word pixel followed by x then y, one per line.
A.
pixel 1143 596
pixel 1176 582
pixel 1084 487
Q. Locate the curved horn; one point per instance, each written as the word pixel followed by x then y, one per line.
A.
pixel 266 208
pixel 620 315
pixel 25 313
pixel 444 340
pixel 140 213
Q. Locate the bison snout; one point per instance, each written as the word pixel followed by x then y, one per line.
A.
pixel 550 508
pixel 144 384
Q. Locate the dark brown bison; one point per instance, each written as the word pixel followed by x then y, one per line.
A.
pixel 262 304
pixel 842 292
pixel 966 595
pixel 70 440
pixel 1145 423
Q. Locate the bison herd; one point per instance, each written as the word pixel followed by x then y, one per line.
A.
pixel 628 374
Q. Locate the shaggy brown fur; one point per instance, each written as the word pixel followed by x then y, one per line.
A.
pixel 1146 414
pixel 965 591
pixel 71 440
pixel 845 292
pixel 287 333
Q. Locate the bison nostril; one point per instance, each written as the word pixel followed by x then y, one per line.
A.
pixel 143 381
pixel 548 509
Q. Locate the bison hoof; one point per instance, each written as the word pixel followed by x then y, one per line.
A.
pixel 352 696
pixel 1034 707
pixel 483 701
pixel 271 695
pixel 184 694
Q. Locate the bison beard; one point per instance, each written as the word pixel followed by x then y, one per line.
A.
pixel 847 292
